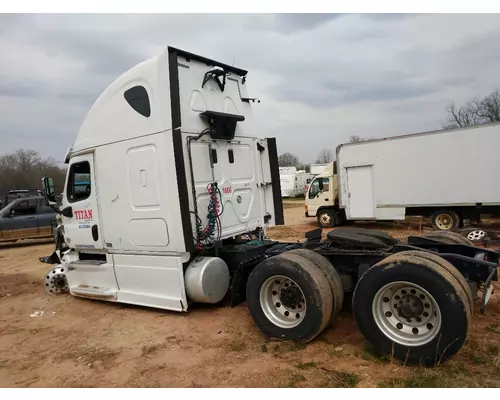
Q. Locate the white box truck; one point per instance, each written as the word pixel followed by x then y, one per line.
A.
pixel 447 175
pixel 167 197
pixel 293 182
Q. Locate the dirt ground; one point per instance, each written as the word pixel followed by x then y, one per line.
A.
pixel 85 343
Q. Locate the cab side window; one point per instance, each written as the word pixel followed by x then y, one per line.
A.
pixel 314 190
pixel 326 184
pixel 25 207
pixel 79 187
pixel 319 185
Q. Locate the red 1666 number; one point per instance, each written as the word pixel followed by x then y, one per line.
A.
pixel 227 190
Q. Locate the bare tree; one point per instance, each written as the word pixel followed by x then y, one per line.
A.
pixel 461 116
pixel 25 169
pixel 356 139
pixel 488 108
pixel 325 156
pixel 288 160
pixel 305 167
pixel 474 112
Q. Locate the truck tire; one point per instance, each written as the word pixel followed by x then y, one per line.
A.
pixel 327 218
pixel 448 267
pixel 449 237
pixel 444 220
pixel 361 236
pixel 331 274
pixel 289 298
pixel 412 309
pixel 350 237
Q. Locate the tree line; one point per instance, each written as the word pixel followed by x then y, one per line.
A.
pixel 325 156
pixel 24 169
pixel 476 111
pixel 481 111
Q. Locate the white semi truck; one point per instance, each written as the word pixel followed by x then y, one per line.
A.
pixel 447 175
pixel 177 194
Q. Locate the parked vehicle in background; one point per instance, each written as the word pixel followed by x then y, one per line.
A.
pixel 322 198
pixel 316 169
pixel 294 182
pixel 8 195
pixel 391 178
pixel 26 218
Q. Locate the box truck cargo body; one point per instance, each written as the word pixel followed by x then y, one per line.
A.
pixel 316 169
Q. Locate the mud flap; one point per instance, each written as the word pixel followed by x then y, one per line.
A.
pixel 240 278
pixel 52 259
pixel 488 290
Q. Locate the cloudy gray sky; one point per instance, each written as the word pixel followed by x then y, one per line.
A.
pixel 321 78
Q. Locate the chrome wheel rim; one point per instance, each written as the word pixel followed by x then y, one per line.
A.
pixel 283 301
pixel 55 281
pixel 476 234
pixel 406 313
pixel 444 221
pixel 325 219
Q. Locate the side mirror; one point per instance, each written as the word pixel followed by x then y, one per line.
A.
pixel 48 191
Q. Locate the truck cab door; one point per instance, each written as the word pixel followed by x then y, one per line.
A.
pixel 80 208
pixel 45 218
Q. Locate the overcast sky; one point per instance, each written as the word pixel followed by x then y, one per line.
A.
pixel 321 78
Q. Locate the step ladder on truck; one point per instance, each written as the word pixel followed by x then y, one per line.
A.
pixel 181 193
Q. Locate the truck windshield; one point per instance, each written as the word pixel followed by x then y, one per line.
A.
pixel 317 186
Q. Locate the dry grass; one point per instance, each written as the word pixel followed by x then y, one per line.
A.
pixel 148 349
pixel 310 364
pixel 477 365
pixel 237 346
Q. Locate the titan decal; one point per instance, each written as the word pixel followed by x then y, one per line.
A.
pixel 83 214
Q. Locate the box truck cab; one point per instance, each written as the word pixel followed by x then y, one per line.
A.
pixel 322 198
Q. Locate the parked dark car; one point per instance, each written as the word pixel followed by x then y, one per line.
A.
pixel 26 218
pixel 8 195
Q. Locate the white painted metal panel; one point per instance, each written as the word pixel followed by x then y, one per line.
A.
pixel 87 278
pixel 442 168
pixel 138 195
pixel 360 186
pixel 235 171
pixel 85 209
pixel 153 281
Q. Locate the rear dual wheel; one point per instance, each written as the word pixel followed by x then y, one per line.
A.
pixel 449 237
pixel 411 308
pixel 331 275
pixel 294 295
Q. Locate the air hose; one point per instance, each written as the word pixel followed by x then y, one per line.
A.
pixel 214 211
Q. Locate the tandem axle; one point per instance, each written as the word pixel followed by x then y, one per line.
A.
pixel 413 299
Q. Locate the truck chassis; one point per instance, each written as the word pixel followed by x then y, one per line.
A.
pixel 411 300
